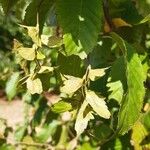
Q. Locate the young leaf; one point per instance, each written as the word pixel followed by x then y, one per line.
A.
pixel 82 119
pixel 34 86
pixel 40 55
pixel 11 85
pixel 61 106
pixel 116 90
pixel 71 85
pixel 27 53
pixel 46 69
pixel 96 73
pixel 81 24
pixel 98 104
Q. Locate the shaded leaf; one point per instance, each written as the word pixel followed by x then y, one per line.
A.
pixel 40 7
pixel 7 5
pixel 81 24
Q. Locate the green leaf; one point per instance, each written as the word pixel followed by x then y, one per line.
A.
pixel 7 5
pixel 145 119
pixel 40 7
pixel 71 85
pixel 20 8
pixel 116 90
pixel 98 104
pixel 46 132
pixel 61 106
pixel 20 132
pixel 40 55
pixel 7 147
pixel 82 119
pixel 34 85
pixel 132 102
pixel 138 135
pixel 81 23
pixel 146 19
pixel 11 85
pixel 70 65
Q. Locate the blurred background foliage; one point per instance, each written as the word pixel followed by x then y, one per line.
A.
pixel 43 127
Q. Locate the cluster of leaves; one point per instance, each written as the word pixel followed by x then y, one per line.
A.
pixel 94 54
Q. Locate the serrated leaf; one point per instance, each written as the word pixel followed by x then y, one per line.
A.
pixel 116 90
pixel 71 65
pixel 34 85
pixel 20 8
pixel 45 69
pixel 61 106
pixel 132 103
pixel 11 85
pixel 82 119
pixel 71 85
pixel 27 53
pixel 98 104
pixel 81 24
pixel 40 7
pixel 96 73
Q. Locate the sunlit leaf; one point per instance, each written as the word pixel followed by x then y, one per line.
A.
pixel 71 85
pixel 98 104
pixel 61 106
pixel 116 90
pixel 40 55
pixel 82 119
pixel 132 103
pixel 34 85
pixel 138 135
pixel 96 73
pixel 27 53
pixel 45 69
